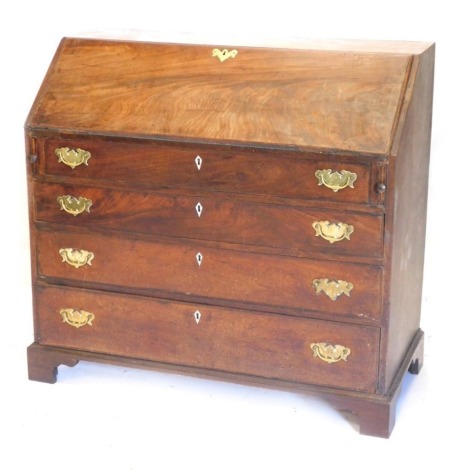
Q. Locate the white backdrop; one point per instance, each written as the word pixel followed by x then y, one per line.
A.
pixel 99 417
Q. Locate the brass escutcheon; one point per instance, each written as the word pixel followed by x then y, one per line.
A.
pixel 75 317
pixel 335 180
pixel 330 353
pixel 224 54
pixel 332 231
pixel 332 289
pixel 74 205
pixel 76 258
pixel 72 157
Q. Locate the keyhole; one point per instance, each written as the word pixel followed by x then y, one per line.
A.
pixel 197 316
pixel 199 258
pixel 199 209
pixel 198 162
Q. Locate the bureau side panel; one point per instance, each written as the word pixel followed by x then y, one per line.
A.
pixel 407 218
pixel 31 166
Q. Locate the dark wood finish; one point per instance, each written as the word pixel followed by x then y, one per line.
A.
pixel 43 363
pixel 407 216
pixel 416 361
pixel 283 174
pixel 166 331
pixel 221 220
pixel 263 123
pixel 256 279
pixel 374 413
pixel 376 416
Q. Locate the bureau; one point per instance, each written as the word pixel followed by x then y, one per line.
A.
pixel 250 214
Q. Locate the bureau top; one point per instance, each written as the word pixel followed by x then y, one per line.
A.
pixel 348 99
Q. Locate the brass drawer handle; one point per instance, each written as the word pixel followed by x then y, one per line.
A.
pixel 74 205
pixel 75 317
pixel 224 54
pixel 76 258
pixel 336 180
pixel 71 157
pixel 330 352
pixel 331 231
pixel 332 289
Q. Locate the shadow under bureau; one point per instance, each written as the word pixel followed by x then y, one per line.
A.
pixel 250 214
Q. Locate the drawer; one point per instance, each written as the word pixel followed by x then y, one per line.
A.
pixel 266 345
pixel 342 289
pixel 233 170
pixel 204 218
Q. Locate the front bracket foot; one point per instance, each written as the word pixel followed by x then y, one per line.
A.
pixel 43 363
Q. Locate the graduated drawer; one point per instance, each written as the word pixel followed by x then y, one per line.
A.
pixel 267 345
pixel 204 218
pixel 342 289
pixel 233 170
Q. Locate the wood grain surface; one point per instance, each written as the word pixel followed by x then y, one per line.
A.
pixel 166 331
pixel 223 220
pixel 285 174
pixel 286 97
pixel 256 279
pixel 262 123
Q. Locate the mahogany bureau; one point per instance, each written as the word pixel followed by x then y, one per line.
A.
pixel 250 214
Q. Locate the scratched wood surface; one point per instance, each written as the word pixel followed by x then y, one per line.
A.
pixel 301 98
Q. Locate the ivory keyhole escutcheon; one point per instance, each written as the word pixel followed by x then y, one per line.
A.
pixel 199 209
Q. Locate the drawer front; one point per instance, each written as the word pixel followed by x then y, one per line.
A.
pixel 244 171
pixel 267 345
pixel 201 218
pixel 211 273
